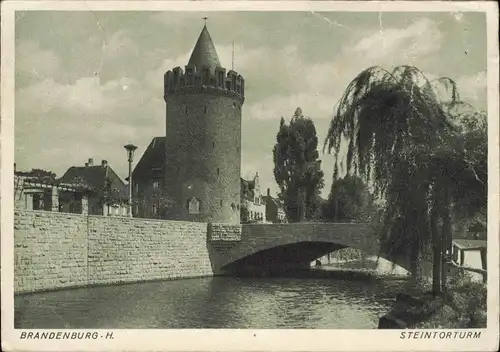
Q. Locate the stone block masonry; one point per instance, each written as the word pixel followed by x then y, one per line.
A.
pixel 128 250
pixel 56 250
pixel 224 233
pixel 50 250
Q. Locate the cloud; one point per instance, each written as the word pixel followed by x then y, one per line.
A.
pixel 120 45
pixel 458 16
pixel 472 88
pixel 314 105
pixel 33 62
pixel 86 95
pixel 419 39
pixel 59 125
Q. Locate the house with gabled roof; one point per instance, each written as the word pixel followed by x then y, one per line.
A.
pixel 275 212
pixel 108 193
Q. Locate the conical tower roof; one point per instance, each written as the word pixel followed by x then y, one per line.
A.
pixel 204 53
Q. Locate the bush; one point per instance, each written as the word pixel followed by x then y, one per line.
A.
pixel 348 254
pixel 464 305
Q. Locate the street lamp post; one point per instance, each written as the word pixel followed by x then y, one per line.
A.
pixel 130 153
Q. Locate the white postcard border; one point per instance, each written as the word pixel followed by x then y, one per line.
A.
pixel 254 340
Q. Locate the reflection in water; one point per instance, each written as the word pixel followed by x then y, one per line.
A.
pixel 221 302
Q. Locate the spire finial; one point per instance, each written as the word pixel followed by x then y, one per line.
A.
pixel 205 19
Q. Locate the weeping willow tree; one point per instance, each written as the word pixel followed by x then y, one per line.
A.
pixel 402 136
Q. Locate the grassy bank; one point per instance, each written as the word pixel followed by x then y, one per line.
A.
pixel 462 306
pixel 347 255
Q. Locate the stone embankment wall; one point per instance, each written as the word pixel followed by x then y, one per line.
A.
pixel 58 250
pixel 50 250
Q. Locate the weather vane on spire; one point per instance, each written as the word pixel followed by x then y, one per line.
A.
pixel 205 19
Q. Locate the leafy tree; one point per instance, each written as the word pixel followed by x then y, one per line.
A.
pixel 349 200
pixel 297 169
pixel 406 139
pixel 39 175
pixel 470 197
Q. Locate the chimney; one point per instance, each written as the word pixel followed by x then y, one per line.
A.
pixel 269 192
pixel 104 163
pixel 91 162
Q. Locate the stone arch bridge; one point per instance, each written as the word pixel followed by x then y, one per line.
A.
pixel 269 247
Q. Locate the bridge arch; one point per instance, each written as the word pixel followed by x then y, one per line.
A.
pixel 297 244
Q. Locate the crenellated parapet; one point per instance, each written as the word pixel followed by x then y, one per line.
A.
pixel 193 80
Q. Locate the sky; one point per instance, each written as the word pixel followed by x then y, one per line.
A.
pixel 87 83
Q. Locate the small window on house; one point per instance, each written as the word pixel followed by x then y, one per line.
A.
pixel 154 210
pixel 238 207
pixel 221 202
pixel 213 144
pixel 193 206
pixel 137 187
pixel 186 109
pixel 156 184
pixel 205 109
pixel 218 171
pixel 233 206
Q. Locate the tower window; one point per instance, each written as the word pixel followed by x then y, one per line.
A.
pixel 186 109
pixel 218 171
pixel 221 202
pixel 156 184
pixel 213 144
pixel 193 205
pixel 234 105
pixel 205 109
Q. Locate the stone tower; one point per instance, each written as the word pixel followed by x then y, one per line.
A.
pixel 203 138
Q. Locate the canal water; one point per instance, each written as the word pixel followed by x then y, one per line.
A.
pixel 216 302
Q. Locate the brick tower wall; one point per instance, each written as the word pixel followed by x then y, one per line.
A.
pixel 203 148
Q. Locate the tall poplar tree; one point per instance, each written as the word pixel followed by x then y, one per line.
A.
pixel 297 169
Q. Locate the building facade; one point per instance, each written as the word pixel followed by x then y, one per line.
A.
pixel 148 182
pixel 253 205
pixel 203 138
pixel 32 192
pixel 274 209
pixel 108 193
